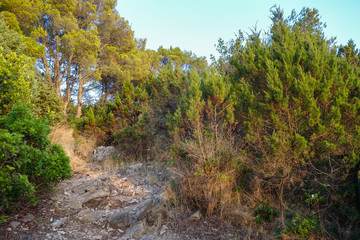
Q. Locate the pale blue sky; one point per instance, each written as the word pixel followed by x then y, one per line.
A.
pixel 196 25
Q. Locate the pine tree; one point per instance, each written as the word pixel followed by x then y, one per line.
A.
pixel 297 105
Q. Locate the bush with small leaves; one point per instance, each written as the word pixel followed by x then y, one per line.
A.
pixel 27 159
pixel 302 227
pixel 264 213
pixel 122 121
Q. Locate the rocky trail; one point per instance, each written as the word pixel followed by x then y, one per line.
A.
pixel 129 202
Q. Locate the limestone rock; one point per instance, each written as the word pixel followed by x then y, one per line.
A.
pixel 150 237
pixel 104 152
pixel 59 222
pixel 162 198
pixel 135 231
pixel 98 194
pixel 28 218
pixel 76 204
pixel 83 212
pixel 195 216
pixel 14 224
pixel 93 216
pixel 135 166
pixel 163 229
pixel 131 214
pixel 84 187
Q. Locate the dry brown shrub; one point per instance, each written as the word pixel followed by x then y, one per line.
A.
pixel 79 149
pixel 209 169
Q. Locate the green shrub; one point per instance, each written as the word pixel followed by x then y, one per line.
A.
pixel 264 213
pixel 45 103
pixel 303 227
pixel 121 121
pixel 33 131
pixel 27 159
pixel 297 104
pixel 203 148
pixel 16 76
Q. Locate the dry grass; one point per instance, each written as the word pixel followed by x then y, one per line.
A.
pixel 79 150
pixel 210 172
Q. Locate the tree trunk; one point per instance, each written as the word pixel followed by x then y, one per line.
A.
pixel 56 80
pixel 282 217
pixel 66 103
pixel 69 85
pixel 106 95
pixel 79 97
pixel 46 65
pixel 67 95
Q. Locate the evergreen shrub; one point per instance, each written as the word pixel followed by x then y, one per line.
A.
pixel 27 159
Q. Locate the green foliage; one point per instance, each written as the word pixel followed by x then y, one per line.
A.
pixel 180 59
pixel 264 213
pixel 121 122
pixel 45 103
pixel 200 127
pixel 14 185
pixel 18 84
pixel 89 118
pixel 33 131
pixel 10 40
pixel 16 74
pixel 297 108
pixel 207 99
pixel 303 227
pixel 79 44
pixel 3 219
pixel 27 159
pixel 313 198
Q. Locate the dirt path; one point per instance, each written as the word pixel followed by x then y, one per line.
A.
pixel 130 202
pixel 97 204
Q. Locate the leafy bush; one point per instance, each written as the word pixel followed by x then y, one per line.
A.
pixel 45 103
pixel 121 121
pixel 303 227
pixel 27 159
pixel 16 74
pixel 203 147
pixel 264 213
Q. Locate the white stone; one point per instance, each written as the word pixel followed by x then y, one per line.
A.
pixel 29 217
pixel 150 237
pixel 14 224
pixel 102 153
pixel 163 229
pixel 135 166
pixel 59 222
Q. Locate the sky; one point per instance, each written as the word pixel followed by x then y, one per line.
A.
pixel 196 25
